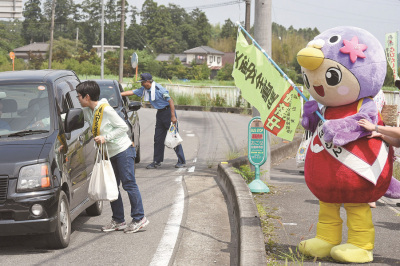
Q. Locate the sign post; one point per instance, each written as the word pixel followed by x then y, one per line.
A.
pixel 12 56
pixel 257 153
pixel 134 63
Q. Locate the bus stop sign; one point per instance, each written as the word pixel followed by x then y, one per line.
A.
pixel 257 153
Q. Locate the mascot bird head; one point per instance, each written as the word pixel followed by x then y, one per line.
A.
pixel 343 65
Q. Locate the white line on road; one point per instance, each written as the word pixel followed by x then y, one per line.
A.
pixel 195 160
pixel 190 135
pixel 191 169
pixel 181 170
pixel 166 246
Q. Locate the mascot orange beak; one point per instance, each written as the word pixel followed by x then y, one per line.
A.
pixel 310 58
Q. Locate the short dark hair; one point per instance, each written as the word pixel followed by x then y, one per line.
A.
pixel 89 87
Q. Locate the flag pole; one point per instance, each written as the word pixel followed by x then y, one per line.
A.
pixel 278 68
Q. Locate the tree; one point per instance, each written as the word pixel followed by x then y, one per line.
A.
pixel 134 33
pixel 200 22
pixel 64 49
pixel 34 24
pixel 10 33
pixel 90 27
pixel 158 27
pixel 228 29
pixel 64 25
pixel 225 73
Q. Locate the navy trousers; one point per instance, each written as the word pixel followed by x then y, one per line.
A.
pixel 163 121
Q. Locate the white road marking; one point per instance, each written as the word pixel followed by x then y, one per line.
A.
pixel 190 135
pixel 195 160
pixel 289 223
pixel 181 170
pixel 166 246
pixel 191 169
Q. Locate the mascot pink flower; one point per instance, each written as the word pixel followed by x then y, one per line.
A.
pixel 343 69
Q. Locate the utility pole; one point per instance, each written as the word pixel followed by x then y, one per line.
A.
pixel 77 38
pixel 263 36
pixel 263 24
pixel 102 41
pixel 53 8
pixel 121 46
pixel 247 19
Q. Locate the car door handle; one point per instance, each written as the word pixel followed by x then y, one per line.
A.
pixel 81 138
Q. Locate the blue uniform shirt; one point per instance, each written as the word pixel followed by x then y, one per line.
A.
pixel 161 99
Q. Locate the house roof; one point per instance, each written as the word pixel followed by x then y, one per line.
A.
pixel 203 50
pixel 36 46
pixel 167 57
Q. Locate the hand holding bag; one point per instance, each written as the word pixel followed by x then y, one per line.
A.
pixel 103 185
pixel 302 151
pixel 173 138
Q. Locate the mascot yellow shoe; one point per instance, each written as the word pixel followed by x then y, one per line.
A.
pixel 343 69
pixel 316 247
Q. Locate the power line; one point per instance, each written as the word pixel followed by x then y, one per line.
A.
pixel 215 5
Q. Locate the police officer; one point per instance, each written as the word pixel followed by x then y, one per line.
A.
pixel 159 98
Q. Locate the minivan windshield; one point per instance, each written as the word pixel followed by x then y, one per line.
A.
pixel 24 109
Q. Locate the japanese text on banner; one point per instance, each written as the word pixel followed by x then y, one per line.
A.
pixel 264 88
pixel 391 52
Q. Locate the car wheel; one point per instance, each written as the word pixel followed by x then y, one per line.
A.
pixel 96 209
pixel 61 236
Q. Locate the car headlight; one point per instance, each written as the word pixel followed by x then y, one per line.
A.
pixel 34 177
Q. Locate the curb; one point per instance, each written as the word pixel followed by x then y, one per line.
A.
pixel 246 229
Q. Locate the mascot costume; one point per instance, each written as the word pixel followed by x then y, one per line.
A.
pixel 344 68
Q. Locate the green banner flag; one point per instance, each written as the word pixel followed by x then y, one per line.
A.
pixel 391 52
pixel 264 88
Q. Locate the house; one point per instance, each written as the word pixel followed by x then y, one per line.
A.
pixel 205 54
pixel 107 48
pixel 36 48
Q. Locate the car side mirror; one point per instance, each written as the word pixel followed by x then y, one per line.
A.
pixel 74 120
pixel 134 105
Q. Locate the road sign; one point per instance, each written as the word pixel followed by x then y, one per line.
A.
pixel 134 60
pixel 10 8
pixel 257 153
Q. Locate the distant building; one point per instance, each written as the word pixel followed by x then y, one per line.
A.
pixel 199 55
pixel 107 48
pixel 228 58
pixel 204 54
pixel 36 49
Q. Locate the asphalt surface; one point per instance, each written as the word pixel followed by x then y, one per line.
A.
pixel 295 211
pixel 189 220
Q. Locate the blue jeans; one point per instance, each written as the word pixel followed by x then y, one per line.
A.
pixel 163 121
pixel 124 168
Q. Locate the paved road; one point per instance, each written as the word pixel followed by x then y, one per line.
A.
pixel 188 218
pixel 297 209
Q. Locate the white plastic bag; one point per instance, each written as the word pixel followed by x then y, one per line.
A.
pixel 302 151
pixel 172 139
pixel 103 185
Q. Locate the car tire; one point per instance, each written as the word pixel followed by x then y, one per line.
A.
pixel 61 236
pixel 95 209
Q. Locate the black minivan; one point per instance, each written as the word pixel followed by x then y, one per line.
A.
pixel 46 155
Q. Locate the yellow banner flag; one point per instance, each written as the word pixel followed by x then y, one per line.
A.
pixel 263 87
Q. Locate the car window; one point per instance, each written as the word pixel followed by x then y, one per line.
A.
pixel 24 107
pixel 108 91
pixel 62 88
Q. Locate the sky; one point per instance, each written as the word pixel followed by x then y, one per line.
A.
pixel 377 17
